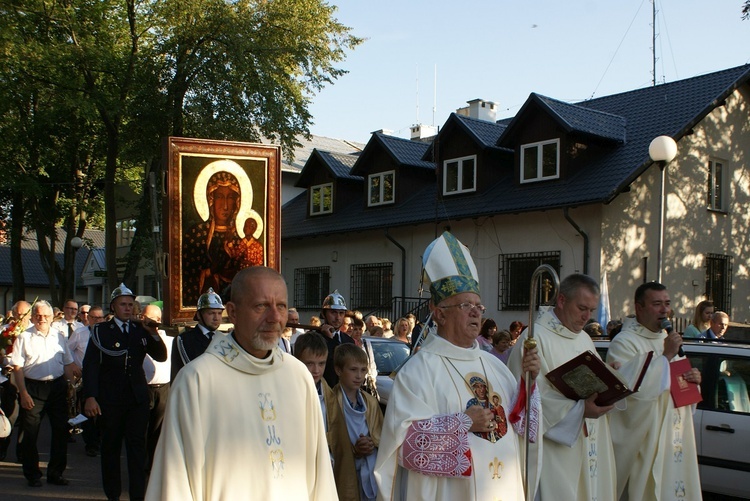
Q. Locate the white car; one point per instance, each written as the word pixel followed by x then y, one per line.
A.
pixel 722 419
pixel 389 354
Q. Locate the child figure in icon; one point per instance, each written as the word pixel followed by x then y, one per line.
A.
pixel 484 397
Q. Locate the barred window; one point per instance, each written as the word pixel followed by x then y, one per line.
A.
pixel 719 281
pixel 514 273
pixel 311 286
pixel 371 286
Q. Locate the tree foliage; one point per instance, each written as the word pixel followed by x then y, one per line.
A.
pixel 90 89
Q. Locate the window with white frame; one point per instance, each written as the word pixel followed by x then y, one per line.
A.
pixel 540 161
pixel 321 199
pixel 381 188
pixel 716 185
pixel 460 175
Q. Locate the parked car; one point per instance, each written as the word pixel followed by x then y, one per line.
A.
pixel 722 419
pixel 389 354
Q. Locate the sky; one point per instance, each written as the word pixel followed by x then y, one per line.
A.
pixel 425 54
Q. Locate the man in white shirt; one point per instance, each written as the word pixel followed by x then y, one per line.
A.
pixel 158 378
pixel 41 365
pixel 68 324
pixel 77 343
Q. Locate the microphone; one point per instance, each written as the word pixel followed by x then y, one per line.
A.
pixel 667 326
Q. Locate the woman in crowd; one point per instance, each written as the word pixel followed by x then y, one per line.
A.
pixel 401 330
pixel 488 329
pixel 701 319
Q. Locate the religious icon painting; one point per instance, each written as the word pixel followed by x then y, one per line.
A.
pixel 485 397
pixel 222 214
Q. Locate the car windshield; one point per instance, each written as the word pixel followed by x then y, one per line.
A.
pixel 388 356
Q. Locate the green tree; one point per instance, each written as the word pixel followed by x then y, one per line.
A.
pixel 139 71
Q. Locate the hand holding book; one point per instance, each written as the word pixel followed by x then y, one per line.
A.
pixel 586 374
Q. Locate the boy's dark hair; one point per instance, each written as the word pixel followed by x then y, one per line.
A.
pixel 358 322
pixel 348 352
pixel 310 341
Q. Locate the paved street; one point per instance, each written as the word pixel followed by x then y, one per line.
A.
pixel 82 471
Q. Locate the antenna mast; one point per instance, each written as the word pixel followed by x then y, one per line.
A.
pixel 417 122
pixel 653 42
pixel 434 96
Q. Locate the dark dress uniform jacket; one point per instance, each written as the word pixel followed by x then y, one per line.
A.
pixel 187 347
pixel 119 379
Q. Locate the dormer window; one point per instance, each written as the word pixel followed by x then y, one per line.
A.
pixel 460 175
pixel 540 161
pixel 321 199
pixel 381 188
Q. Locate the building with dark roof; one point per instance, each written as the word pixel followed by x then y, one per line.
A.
pixel 569 184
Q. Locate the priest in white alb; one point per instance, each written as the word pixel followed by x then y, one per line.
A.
pixel 578 462
pixel 454 423
pixel 243 420
pixel 654 440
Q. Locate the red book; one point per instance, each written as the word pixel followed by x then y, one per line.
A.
pixel 683 392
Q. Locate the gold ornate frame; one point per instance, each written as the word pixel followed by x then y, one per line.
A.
pixel 190 163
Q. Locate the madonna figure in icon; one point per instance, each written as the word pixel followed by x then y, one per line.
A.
pixel 227 240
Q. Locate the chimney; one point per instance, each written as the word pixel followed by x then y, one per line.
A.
pixel 385 132
pixel 421 131
pixel 480 109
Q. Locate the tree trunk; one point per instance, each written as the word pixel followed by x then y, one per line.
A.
pixel 18 211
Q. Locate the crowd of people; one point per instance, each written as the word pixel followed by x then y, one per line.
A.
pixel 291 411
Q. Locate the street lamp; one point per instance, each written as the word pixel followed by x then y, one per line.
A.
pixel 662 150
pixel 76 243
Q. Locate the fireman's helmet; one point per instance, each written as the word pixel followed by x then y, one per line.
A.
pixel 210 300
pixel 334 301
pixel 122 290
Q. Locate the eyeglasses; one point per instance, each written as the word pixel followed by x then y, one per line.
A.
pixel 467 307
pixel 84 312
pixel 95 317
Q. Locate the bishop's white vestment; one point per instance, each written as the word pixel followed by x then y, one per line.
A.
pixel 426 451
pixel 578 461
pixel 239 427
pixel 655 442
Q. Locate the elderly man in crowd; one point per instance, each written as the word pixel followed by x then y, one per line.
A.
pixel 42 365
pixel 244 419
pixel 453 418
pixel 717 326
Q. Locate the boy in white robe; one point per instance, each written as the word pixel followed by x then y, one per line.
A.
pixel 361 417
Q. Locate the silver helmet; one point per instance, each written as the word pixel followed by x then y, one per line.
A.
pixel 122 290
pixel 334 301
pixel 210 300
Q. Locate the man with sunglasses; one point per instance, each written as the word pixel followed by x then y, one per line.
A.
pixel 69 323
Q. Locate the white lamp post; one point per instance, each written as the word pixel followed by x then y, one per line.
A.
pixel 76 243
pixel 662 149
